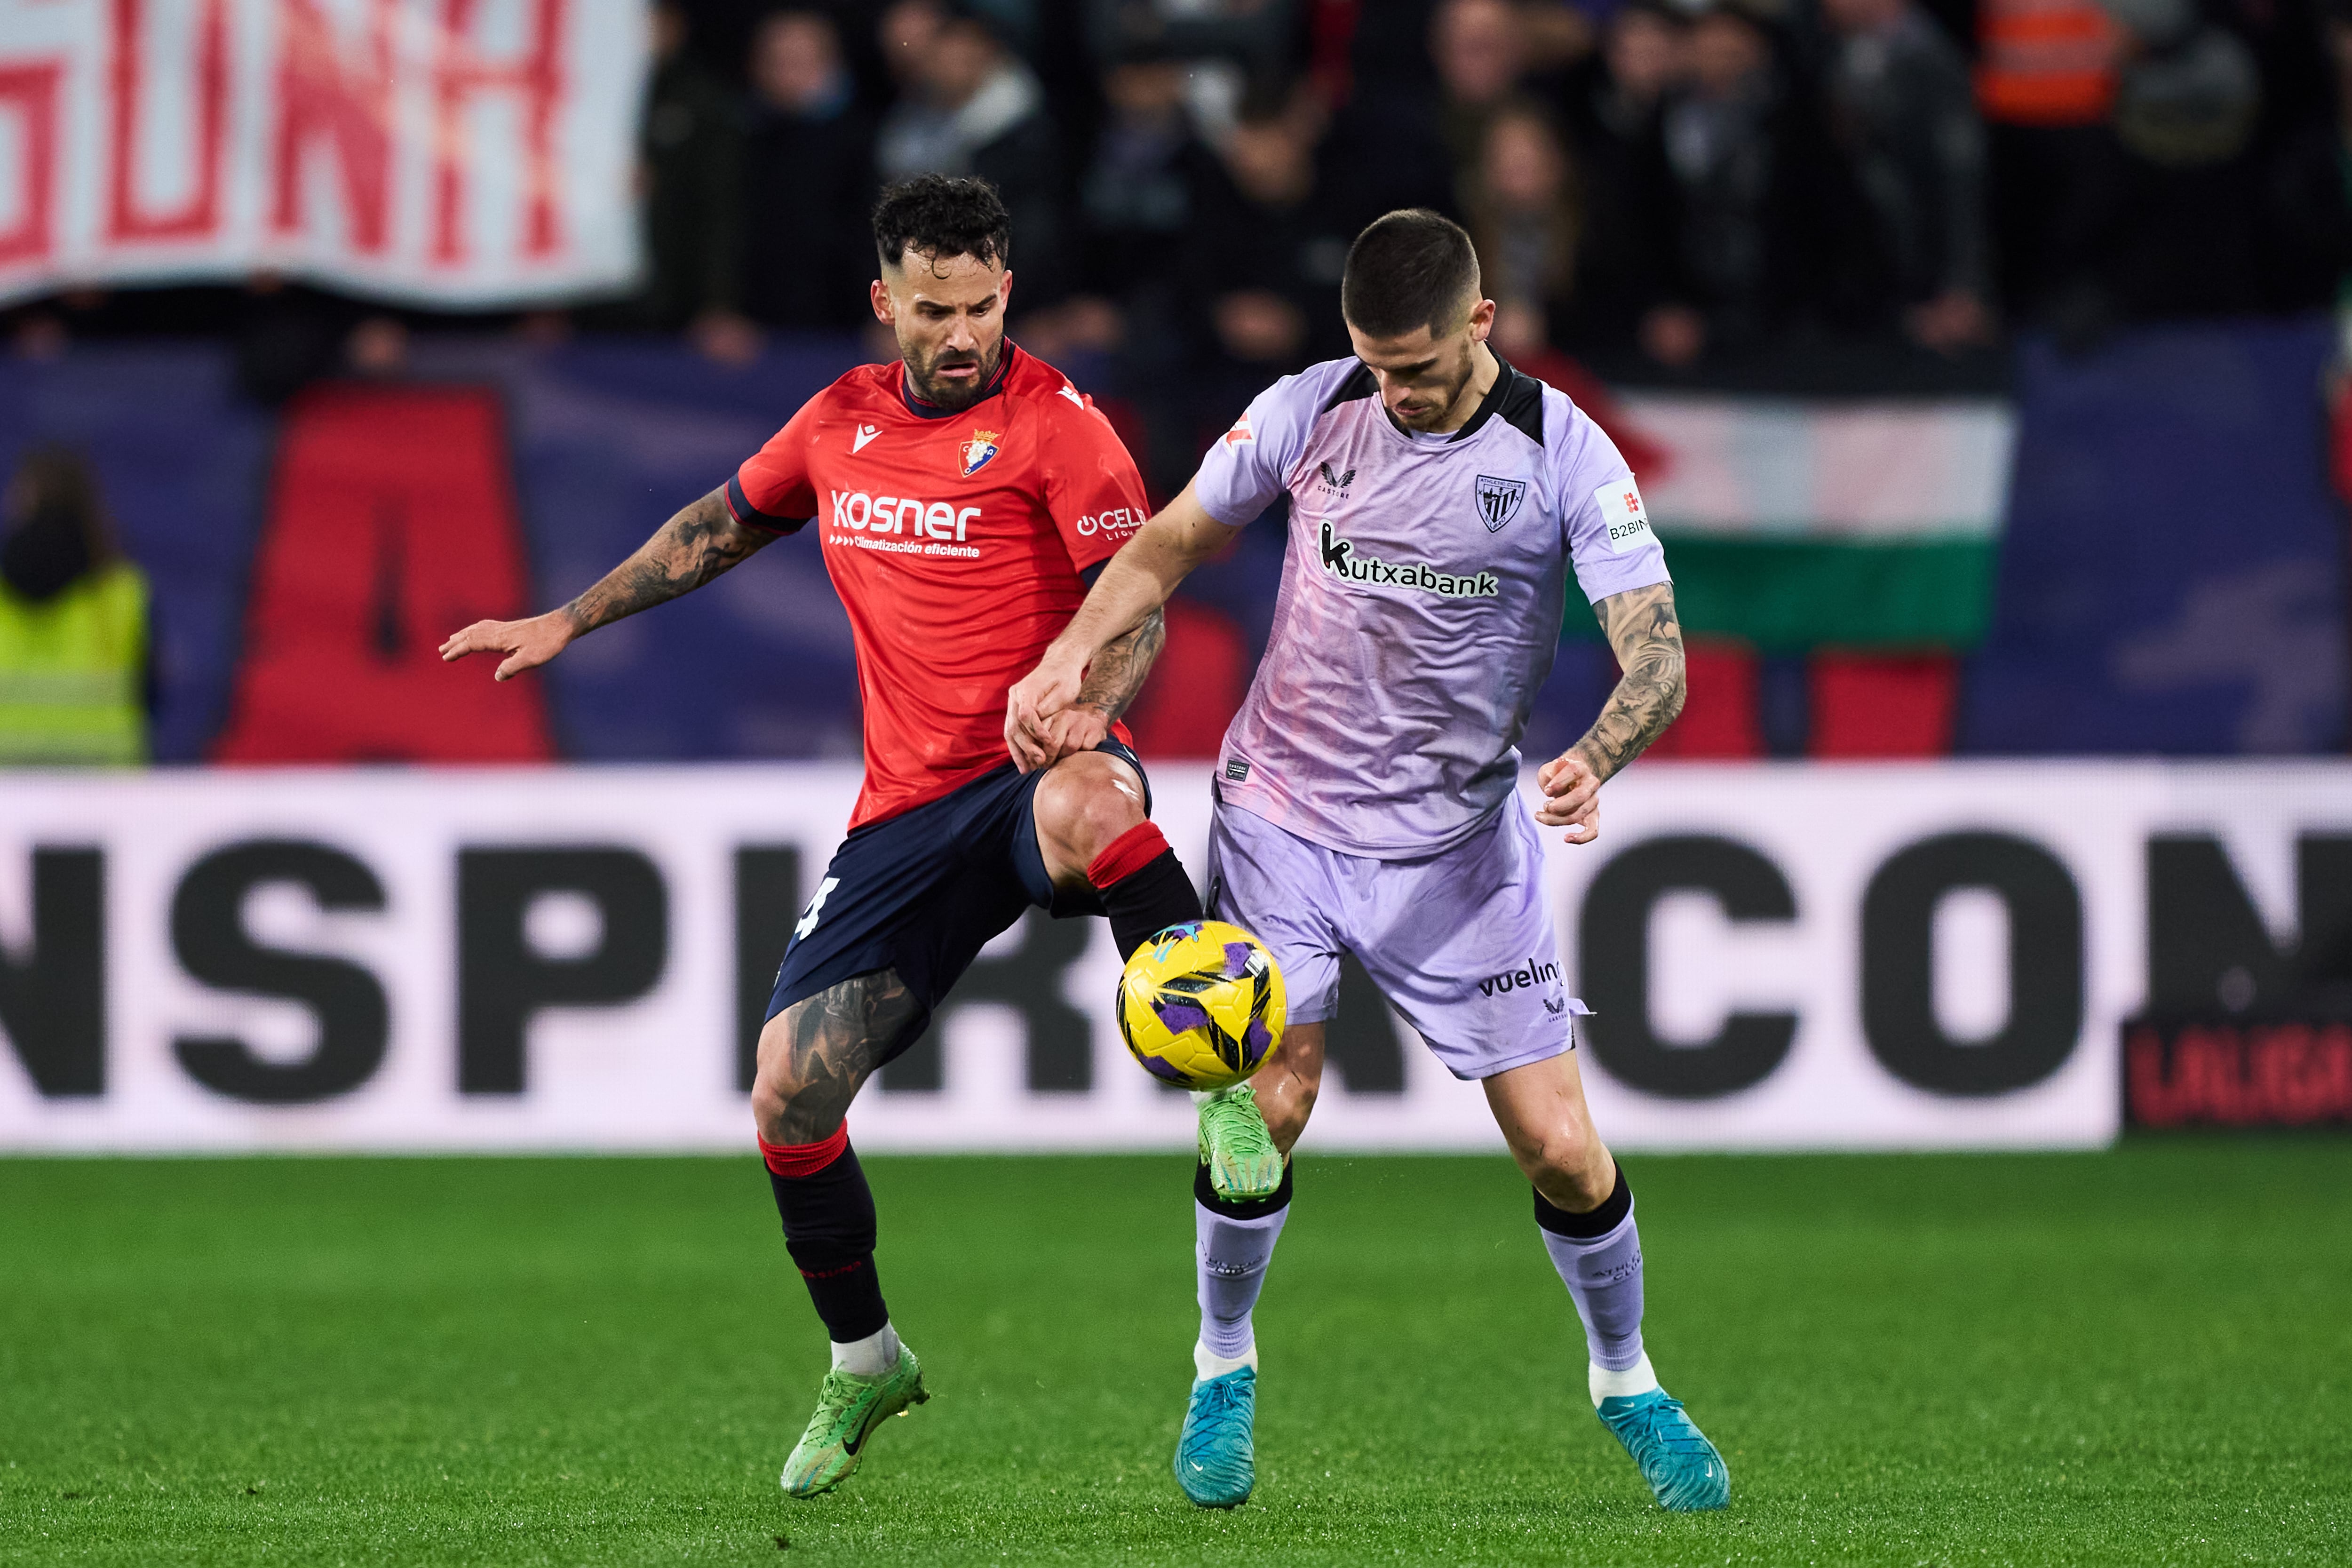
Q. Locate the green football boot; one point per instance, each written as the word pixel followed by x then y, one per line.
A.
pixel 1242 1162
pixel 848 1408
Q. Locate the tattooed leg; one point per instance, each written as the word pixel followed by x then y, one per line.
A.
pixel 816 1054
pixel 812 1057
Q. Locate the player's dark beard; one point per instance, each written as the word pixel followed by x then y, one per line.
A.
pixel 1460 379
pixel 1462 376
pixel 928 385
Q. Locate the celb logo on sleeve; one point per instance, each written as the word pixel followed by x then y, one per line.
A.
pixel 1622 515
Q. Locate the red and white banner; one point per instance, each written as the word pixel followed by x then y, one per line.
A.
pixel 448 152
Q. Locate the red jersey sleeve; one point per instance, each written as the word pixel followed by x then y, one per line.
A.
pixel 772 490
pixel 1092 488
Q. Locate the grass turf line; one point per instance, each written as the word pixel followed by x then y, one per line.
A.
pixel 2142 1357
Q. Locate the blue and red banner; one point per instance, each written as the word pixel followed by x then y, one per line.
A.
pixel 2171 579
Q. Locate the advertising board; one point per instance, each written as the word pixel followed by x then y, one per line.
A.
pixel 1777 956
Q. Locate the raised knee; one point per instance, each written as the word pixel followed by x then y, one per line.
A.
pixel 787 1118
pixel 1084 805
pixel 773 1092
pixel 770 1105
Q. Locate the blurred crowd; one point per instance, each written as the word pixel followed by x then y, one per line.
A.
pixel 1652 183
pixel 1661 188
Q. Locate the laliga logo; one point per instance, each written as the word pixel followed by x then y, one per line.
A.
pixel 978 451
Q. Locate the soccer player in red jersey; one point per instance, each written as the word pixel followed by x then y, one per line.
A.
pixel 957 493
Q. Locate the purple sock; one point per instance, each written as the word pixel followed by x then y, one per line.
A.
pixel 1599 1256
pixel 1237 1242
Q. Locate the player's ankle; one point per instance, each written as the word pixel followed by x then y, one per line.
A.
pixel 872 1356
pixel 1207 1363
pixel 1606 1382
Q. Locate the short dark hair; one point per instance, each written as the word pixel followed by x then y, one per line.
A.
pixel 1408 269
pixel 940 217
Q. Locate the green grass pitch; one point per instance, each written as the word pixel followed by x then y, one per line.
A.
pixel 2136 1358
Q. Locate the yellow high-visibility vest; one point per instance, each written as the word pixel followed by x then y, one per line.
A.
pixel 72 669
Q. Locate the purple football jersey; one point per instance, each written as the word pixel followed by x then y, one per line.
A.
pixel 1421 599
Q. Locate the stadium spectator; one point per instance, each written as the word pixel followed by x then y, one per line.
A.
pixel 1479 50
pixel 1627 241
pixel 2310 206
pixel 1271 245
pixel 690 150
pixel 1761 243
pixel 2045 81
pixel 1146 179
pixel 808 179
pixel 74 642
pixel 1905 114
pixel 1525 225
pixel 969 106
pixel 905 33
pixel 2185 228
pixel 1255 35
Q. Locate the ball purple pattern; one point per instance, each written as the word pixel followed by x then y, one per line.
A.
pixel 1179 1017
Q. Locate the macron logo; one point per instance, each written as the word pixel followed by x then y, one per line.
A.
pixel 864 433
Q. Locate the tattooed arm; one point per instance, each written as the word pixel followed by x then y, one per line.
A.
pixel 697 544
pixel 1640 626
pixel 1085 666
pixel 1118 672
pixel 1111 683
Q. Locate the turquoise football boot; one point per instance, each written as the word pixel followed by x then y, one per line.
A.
pixel 1216 1462
pixel 1681 1466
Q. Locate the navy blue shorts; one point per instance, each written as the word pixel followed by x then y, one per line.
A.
pixel 924 892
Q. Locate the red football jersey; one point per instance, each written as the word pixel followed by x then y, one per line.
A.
pixel 955 539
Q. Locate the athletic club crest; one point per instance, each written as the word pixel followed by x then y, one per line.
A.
pixel 978 451
pixel 1498 500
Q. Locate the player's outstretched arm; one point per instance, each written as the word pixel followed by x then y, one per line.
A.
pixel 1113 677
pixel 1641 625
pixel 1094 668
pixel 702 540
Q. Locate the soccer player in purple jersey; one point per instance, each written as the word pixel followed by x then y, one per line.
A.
pixel 1367 793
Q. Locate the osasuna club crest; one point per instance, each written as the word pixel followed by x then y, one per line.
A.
pixel 1498 500
pixel 979 450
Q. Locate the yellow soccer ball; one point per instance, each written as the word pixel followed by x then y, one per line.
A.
pixel 1200 1004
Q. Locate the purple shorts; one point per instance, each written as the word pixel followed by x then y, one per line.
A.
pixel 1460 942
